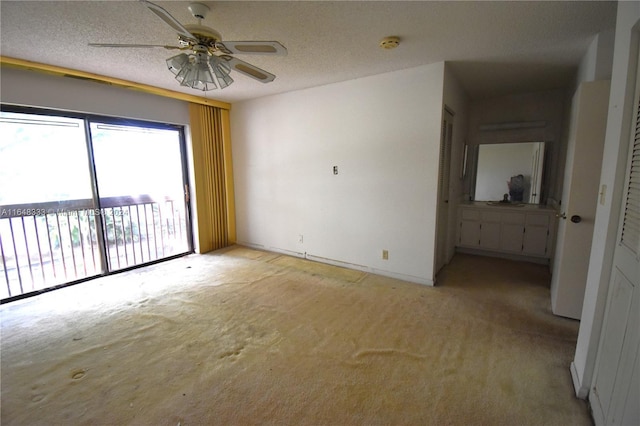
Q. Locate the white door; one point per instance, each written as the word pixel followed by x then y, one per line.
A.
pixel 442 220
pixel 615 394
pixel 579 197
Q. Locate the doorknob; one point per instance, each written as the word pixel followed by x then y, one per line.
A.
pixel 561 215
pixel 576 219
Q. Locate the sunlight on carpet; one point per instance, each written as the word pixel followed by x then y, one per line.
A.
pixel 242 336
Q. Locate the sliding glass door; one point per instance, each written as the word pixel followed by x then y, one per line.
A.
pixel 81 197
pixel 139 173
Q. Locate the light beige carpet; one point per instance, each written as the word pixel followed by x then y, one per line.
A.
pixel 247 337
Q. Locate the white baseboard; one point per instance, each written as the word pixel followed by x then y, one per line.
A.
pixel 582 392
pixel 272 249
pixel 305 255
pixel 396 275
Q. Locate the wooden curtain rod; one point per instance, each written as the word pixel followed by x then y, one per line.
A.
pixel 116 82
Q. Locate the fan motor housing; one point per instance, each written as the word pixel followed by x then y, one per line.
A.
pixel 207 36
pixel 198 10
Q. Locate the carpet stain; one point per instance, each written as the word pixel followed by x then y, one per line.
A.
pixel 316 269
pixel 247 337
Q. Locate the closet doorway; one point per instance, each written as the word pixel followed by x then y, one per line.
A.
pixel 444 171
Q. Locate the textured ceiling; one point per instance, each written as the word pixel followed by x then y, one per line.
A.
pixel 495 48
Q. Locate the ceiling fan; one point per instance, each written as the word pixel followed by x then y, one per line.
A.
pixel 206 59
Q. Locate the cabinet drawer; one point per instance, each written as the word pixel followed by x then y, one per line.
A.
pixel 491 217
pixel 513 218
pixel 538 219
pixel 468 214
pixel 528 232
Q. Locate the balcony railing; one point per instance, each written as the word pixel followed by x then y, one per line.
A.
pixel 43 245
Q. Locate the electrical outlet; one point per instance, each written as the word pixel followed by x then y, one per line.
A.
pixel 300 238
pixel 385 254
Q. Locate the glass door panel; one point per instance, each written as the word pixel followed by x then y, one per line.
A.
pixel 141 185
pixel 48 228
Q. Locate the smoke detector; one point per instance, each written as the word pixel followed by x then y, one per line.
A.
pixel 389 42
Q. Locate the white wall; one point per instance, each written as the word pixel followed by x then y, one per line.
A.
pixel 383 134
pixel 29 88
pixel 597 62
pixel 607 215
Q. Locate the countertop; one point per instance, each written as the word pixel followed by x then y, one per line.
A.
pixel 501 206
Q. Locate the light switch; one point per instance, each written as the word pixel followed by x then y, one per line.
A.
pixel 603 194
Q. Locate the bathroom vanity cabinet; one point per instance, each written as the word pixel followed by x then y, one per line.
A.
pixel 527 230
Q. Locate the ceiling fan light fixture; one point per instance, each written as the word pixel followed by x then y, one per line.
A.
pixel 200 71
pixel 197 75
pixel 221 70
pixel 176 63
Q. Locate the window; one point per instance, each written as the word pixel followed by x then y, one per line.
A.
pixel 82 196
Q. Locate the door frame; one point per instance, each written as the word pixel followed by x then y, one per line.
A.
pixel 617 358
pixel 443 207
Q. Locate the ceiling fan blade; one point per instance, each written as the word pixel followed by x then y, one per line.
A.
pixel 249 70
pixel 252 47
pixel 166 17
pixel 146 46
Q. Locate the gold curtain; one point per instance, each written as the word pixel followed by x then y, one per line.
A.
pixel 213 175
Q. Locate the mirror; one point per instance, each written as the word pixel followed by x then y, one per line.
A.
pixel 511 169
